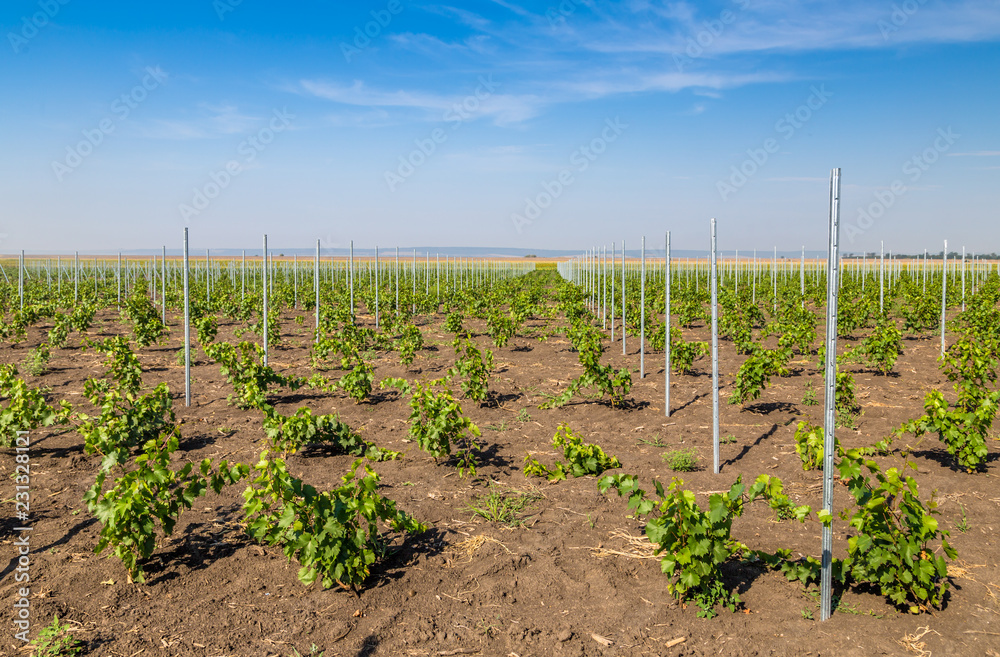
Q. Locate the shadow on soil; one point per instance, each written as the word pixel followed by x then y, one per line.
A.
pixel 746 448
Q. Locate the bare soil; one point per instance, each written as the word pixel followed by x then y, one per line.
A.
pixel 549 586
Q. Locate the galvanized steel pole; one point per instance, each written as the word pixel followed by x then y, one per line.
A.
pixel 187 325
pixel 944 290
pixel 264 296
pixel 715 352
pixel 316 285
pixel 642 312
pixel 666 331
pixel 623 299
pixel 832 295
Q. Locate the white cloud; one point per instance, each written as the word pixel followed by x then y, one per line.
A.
pixel 479 102
pixel 211 121
pixel 976 154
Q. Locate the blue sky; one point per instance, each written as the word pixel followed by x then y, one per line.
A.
pixel 495 123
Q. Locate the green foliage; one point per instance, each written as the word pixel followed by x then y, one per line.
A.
pixel 59 333
pixel 809 396
pixel 437 423
pixel 970 363
pixel 82 317
pixel 474 366
pixel 207 328
pixel 613 383
pixel 756 372
pixel 736 324
pixel 682 460
pixel 122 363
pixel 683 354
pixel 288 434
pixel 26 408
pixel 845 400
pixel 127 420
pixel 147 494
pixel 881 348
pixel 273 326
pixel 55 640
pixel 37 362
pixel 795 327
pixel 409 342
pixel 453 323
pixel 689 306
pixel 503 507
pixel 893 548
pixel 334 535
pixel 243 366
pixel 963 430
pixel 694 544
pixel 809 445
pixel 582 459
pixel 501 327
pixel 921 312
pixel 357 383
pixel 147 327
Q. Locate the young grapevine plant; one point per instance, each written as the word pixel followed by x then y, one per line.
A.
pixel 582 459
pixel 437 423
pixel 334 535
pixel 151 493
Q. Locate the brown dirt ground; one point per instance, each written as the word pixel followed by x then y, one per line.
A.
pixel 470 587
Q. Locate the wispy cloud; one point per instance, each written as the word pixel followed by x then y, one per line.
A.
pixel 210 121
pixel 503 109
pixel 976 154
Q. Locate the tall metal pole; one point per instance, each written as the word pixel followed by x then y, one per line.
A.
pixel 20 278
pixel 604 287
pixel 666 331
pixel 163 283
pixel 715 352
pixel 925 271
pixel 376 288
pixel 963 279
pixel 832 295
pixel 352 279
pixel 316 285
pixel 881 277
pixel 642 312
pixel 802 277
pixel 187 324
pixel 944 290
pixel 264 297
pixel 612 292
pixel 623 299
